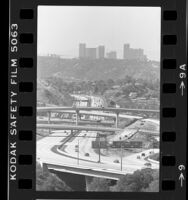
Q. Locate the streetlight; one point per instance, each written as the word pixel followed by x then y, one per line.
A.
pixel 99 148
pixel 78 151
pixel 121 155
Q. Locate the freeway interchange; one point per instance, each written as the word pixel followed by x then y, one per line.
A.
pixel 68 148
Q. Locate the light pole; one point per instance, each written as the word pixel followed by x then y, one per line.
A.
pixel 99 149
pixel 78 151
pixel 121 156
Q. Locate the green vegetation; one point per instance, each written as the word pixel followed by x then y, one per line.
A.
pixel 55 90
pixel 155 157
pixel 127 83
pixel 91 70
pixel 49 182
pixel 136 182
pixel 140 181
pixel 145 180
pixel 50 91
pixel 99 185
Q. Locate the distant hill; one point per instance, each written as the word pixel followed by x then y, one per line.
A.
pixel 99 69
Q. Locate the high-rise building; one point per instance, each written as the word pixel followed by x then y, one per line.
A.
pixel 91 53
pixel 100 51
pixel 82 50
pixel 126 51
pixel 132 54
pixel 112 55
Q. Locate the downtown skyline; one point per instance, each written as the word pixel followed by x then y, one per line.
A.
pixel 108 26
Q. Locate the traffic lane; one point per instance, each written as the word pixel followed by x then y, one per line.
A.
pixel 45 154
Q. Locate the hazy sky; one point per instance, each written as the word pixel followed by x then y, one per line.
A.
pixel 62 28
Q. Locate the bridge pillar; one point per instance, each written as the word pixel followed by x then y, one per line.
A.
pixel 45 168
pixel 117 118
pixel 49 116
pixel 88 180
pixel 77 115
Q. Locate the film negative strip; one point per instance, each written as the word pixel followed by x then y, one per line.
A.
pixel 108 121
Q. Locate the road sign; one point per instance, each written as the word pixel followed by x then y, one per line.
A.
pixel 97 144
pixel 125 144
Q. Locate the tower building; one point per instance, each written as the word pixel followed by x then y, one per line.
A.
pixel 100 51
pixel 82 50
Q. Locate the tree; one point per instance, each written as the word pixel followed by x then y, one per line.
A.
pixel 110 83
pixel 99 184
pixel 135 182
pixel 49 182
pixel 153 187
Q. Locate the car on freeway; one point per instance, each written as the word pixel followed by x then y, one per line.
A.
pixel 116 161
pixel 148 164
pixel 87 154
pixel 143 154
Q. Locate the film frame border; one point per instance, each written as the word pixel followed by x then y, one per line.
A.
pixel 173 105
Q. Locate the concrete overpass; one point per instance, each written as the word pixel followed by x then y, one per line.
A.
pixel 90 128
pixel 99 173
pixel 79 110
pixel 107 109
pixel 74 127
pixel 50 155
pixel 83 122
pixel 102 114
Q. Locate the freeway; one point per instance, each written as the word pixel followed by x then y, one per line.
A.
pixel 67 159
pixel 74 127
pixel 115 110
pixel 81 122
pixel 93 128
pixel 101 113
pixel 59 152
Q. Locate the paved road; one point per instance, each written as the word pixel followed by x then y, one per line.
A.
pixel 48 152
pixel 68 157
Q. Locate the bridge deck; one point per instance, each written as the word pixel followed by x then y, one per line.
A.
pixel 115 110
pixel 74 127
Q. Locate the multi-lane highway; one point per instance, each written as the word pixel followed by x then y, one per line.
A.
pixel 48 152
pixel 65 152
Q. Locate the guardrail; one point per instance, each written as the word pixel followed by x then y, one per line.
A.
pixel 116 110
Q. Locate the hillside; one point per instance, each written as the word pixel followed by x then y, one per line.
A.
pixel 49 94
pixel 78 69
